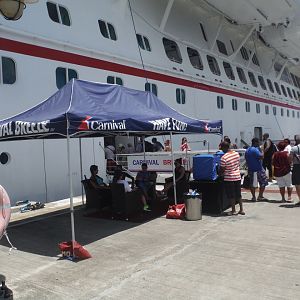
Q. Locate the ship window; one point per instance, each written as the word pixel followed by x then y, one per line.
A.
pixel 247 106
pixel 298 115
pixel 255 60
pixel 213 65
pixel 58 13
pixel 228 70
pixel 64 15
pixel 252 79
pixel 4 158
pixel 274 111
pixel 298 94
pixel 52 12
pixel 258 108
pixel 277 88
pixel 195 58
pixel 143 42
pixel 220 102
pixel 267 109
pixel 64 75
pixel 294 80
pixel 244 53
pixel 282 112
pixel 283 90
pixel 242 75
pixel 289 92
pixel 294 94
pixel 234 104
pixel 114 80
pixel 151 87
pixel 222 47
pixel 107 30
pixel 172 50
pixel 262 82
pixel 203 32
pixel 293 114
pixel 8 70
pixel 270 85
pixel 180 96
pixel 287 113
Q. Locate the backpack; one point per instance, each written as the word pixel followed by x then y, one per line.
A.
pixel 272 149
pixel 297 155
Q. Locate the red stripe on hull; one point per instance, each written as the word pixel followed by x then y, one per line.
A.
pixel 57 55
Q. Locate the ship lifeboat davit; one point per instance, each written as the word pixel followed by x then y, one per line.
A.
pixel 5 211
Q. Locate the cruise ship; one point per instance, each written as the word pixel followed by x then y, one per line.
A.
pixel 234 60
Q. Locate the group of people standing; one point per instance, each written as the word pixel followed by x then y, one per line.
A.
pixel 281 161
pixel 282 158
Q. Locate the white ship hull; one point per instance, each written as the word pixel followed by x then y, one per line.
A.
pixel 37 170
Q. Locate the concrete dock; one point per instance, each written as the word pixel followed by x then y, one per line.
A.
pixel 256 256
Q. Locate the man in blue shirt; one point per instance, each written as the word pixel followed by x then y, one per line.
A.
pixel 256 172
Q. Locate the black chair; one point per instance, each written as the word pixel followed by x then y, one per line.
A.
pixel 96 198
pixel 182 187
pixel 123 203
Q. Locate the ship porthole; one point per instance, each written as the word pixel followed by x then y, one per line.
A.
pixel 4 158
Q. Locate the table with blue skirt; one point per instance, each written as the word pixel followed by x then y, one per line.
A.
pixel 214 200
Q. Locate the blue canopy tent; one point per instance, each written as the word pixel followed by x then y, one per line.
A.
pixel 88 109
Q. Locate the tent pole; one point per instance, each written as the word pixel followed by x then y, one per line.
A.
pixel 81 171
pixel 71 191
pixel 144 148
pixel 173 169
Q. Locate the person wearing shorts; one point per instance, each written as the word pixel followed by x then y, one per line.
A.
pixel 256 172
pixel 295 160
pixel 282 171
pixel 230 169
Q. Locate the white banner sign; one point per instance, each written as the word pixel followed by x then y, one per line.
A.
pixel 159 163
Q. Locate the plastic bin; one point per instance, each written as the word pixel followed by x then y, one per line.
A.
pixel 193 207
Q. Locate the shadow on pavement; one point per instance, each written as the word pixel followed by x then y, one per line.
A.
pixel 289 205
pixel 42 236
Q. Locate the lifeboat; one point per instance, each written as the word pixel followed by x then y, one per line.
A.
pixel 5 211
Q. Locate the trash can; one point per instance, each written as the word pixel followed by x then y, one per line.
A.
pixel 193 206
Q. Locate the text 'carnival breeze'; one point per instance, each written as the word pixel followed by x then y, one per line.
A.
pixel 23 128
pixel 169 124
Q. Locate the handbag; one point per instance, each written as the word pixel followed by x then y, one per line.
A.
pixel 176 211
pixel 246 182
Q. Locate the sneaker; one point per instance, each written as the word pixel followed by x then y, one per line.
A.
pixel 146 208
pixel 253 199
pixel 262 199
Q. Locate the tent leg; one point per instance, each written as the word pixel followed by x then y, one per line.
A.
pixel 144 148
pixel 81 171
pixel 173 169
pixel 71 192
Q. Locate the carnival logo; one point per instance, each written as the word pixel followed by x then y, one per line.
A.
pixel 168 124
pixel 86 124
pixel 23 128
pixel 209 129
